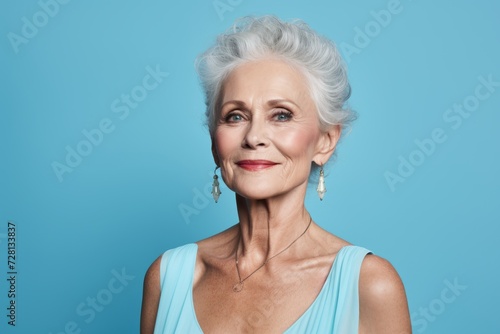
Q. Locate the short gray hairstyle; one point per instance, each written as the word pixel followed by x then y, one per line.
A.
pixel 255 38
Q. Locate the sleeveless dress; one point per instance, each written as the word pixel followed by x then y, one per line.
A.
pixel 335 310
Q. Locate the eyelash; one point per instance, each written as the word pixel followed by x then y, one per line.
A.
pixel 283 112
pixel 231 114
pixel 280 112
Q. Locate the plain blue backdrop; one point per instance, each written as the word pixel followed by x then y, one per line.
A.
pixel 415 180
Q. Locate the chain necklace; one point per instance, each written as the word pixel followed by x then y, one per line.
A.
pixel 239 286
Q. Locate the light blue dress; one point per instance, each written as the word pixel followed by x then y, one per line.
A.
pixel 335 309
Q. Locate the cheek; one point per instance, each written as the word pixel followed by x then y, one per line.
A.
pixel 298 143
pixel 224 143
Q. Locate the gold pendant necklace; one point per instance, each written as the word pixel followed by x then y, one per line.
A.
pixel 239 286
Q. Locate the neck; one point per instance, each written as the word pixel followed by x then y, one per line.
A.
pixel 269 226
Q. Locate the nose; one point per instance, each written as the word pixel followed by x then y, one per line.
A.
pixel 256 134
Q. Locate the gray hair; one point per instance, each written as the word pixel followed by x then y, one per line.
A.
pixel 254 38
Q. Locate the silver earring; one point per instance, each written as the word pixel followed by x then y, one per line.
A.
pixel 215 186
pixel 321 184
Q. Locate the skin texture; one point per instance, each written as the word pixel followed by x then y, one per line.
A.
pixel 267 114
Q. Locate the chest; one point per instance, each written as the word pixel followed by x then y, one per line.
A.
pixel 271 300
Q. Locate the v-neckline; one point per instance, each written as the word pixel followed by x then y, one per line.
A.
pixel 303 315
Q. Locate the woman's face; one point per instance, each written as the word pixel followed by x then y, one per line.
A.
pixel 268 131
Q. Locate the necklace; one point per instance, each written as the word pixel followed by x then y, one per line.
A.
pixel 239 286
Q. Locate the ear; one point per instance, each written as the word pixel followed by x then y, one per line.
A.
pixel 214 152
pixel 326 145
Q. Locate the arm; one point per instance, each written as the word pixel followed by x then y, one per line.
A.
pixel 383 307
pixel 150 297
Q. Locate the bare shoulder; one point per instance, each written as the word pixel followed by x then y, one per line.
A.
pixel 383 304
pixel 326 241
pixel 150 297
pixel 216 245
pixel 152 276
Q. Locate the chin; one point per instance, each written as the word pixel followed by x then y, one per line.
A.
pixel 265 188
pixel 257 193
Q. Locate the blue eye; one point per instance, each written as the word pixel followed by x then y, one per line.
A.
pixel 283 116
pixel 233 118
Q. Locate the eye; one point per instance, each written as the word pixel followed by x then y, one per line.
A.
pixel 233 118
pixel 282 115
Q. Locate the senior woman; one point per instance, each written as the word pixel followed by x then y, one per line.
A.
pixel 276 97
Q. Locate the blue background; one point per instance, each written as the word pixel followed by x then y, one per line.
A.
pixel 120 207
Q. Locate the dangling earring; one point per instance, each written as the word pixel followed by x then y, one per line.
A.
pixel 321 184
pixel 215 186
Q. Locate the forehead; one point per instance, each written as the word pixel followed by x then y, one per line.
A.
pixel 266 79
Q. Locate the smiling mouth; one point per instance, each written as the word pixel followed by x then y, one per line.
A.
pixel 255 165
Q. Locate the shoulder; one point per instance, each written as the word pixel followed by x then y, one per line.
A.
pixel 213 251
pixel 220 239
pixel 383 306
pixel 152 287
pixel 378 279
pixel 152 275
pixel 177 254
pixel 150 296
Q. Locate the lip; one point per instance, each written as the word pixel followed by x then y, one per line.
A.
pixel 255 165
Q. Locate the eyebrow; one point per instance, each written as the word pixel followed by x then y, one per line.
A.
pixel 270 103
pixel 275 102
pixel 238 103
